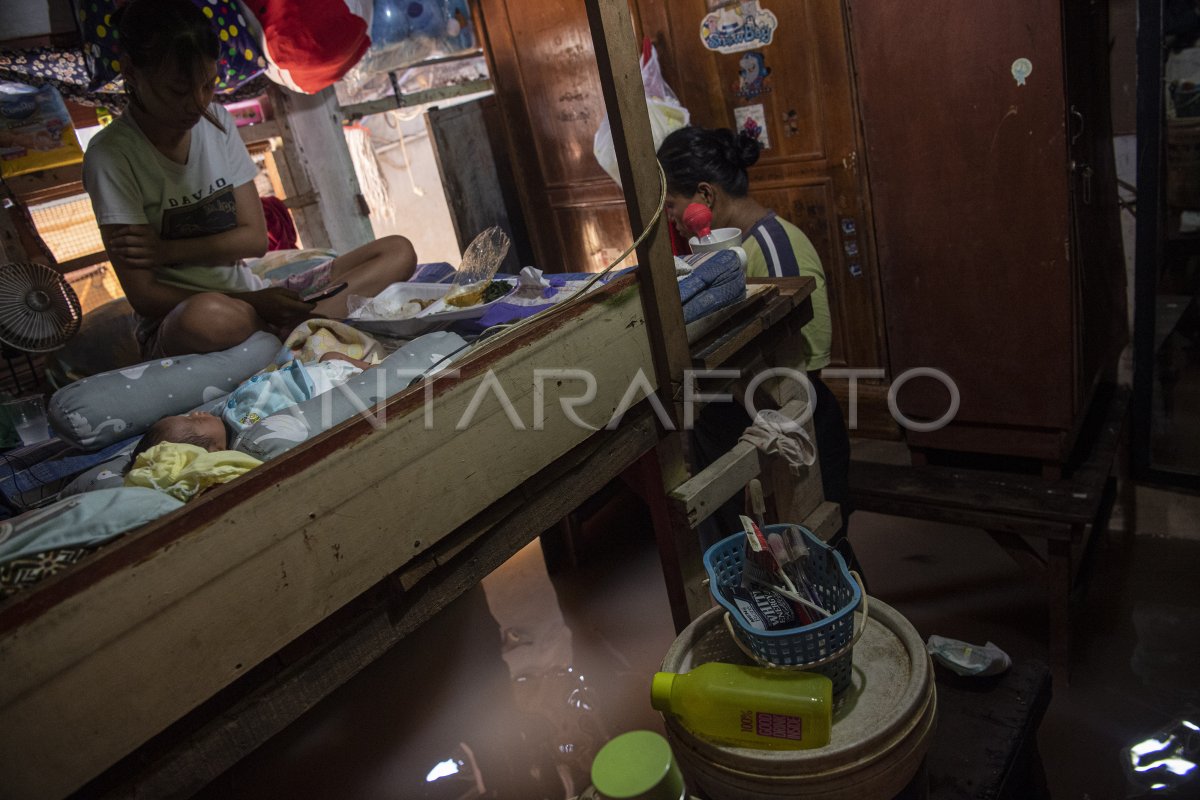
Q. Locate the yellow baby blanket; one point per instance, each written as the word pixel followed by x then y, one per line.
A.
pixel 185 470
pixel 314 338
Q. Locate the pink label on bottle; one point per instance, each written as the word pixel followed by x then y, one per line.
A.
pixel 778 726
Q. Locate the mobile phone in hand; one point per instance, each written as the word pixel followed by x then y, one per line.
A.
pixel 326 293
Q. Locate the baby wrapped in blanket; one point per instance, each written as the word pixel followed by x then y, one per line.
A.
pixel 185 454
pixel 260 396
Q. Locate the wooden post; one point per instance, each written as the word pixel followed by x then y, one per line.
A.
pixel 625 101
pixel 317 172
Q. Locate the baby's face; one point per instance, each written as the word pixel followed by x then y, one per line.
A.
pixel 197 426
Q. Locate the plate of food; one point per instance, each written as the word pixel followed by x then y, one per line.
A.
pixel 410 309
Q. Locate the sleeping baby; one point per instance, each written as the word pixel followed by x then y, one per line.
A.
pixel 259 397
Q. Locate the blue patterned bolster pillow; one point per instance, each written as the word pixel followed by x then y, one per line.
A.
pixel 95 412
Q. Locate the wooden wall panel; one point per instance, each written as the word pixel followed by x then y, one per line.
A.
pixel 591 235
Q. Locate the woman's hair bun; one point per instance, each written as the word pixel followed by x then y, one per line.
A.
pixel 748 150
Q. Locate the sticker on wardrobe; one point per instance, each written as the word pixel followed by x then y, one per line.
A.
pixel 753 76
pixel 752 120
pixel 732 29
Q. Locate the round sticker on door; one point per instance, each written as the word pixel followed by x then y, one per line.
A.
pixel 1021 69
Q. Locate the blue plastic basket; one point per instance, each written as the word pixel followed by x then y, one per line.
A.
pixel 817 647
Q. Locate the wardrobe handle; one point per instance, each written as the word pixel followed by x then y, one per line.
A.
pixel 1076 114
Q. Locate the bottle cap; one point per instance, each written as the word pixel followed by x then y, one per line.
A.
pixel 637 766
pixel 660 691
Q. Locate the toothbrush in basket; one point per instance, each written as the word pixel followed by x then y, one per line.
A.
pixel 761 567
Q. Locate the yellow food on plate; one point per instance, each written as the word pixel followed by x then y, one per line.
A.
pixel 466 298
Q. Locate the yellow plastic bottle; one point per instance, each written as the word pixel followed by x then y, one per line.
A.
pixel 768 709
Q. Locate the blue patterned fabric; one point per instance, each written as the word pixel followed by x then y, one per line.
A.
pixel 435 272
pixel 716 281
pixel 29 475
pixel 66 70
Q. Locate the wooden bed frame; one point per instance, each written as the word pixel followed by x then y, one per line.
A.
pixel 155 664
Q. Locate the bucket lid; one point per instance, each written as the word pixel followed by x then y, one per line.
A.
pixel 637 765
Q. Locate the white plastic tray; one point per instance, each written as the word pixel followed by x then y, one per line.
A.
pixel 436 316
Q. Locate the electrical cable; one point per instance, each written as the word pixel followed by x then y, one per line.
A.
pixel 661 205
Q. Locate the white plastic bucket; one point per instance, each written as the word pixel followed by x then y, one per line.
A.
pixel 881 729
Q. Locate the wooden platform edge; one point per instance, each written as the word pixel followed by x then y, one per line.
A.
pixel 184 762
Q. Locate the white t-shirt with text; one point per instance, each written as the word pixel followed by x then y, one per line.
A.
pixel 131 183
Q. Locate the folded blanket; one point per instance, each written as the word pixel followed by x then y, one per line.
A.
pixel 314 338
pixel 185 470
pixel 716 280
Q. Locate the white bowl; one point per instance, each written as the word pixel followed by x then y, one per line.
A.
pixel 723 239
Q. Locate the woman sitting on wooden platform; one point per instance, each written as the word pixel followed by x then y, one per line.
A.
pixel 172 186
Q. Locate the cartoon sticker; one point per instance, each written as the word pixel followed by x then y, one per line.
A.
pixel 1022 68
pixel 733 29
pixel 752 76
pixel 791 123
pixel 849 228
pixel 851 247
pixel 751 120
pixel 855 269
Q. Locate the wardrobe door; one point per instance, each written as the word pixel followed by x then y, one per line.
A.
pixel 965 123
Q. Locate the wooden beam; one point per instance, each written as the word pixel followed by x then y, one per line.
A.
pixel 318 161
pixel 259 132
pixel 625 101
pixel 824 521
pixel 47 184
pixel 703 494
pixel 357 111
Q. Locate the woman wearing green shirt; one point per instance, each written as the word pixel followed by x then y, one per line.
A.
pixel 709 166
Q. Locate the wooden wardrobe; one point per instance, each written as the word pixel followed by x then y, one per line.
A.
pixel 989 148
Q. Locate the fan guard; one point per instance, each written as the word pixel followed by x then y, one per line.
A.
pixel 39 310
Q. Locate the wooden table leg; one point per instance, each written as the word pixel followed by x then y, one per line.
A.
pixel 1058 591
pixel 678 544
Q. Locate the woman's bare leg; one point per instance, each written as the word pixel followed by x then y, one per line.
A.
pixel 369 270
pixel 206 323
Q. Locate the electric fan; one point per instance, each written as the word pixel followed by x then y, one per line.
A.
pixel 39 311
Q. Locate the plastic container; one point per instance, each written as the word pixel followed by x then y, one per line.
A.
pixel 436 315
pixel 637 765
pixel 826 646
pixel 880 734
pixel 749 706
